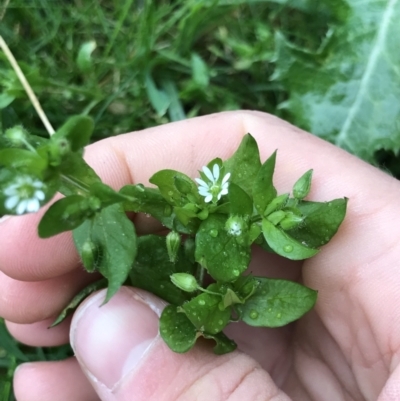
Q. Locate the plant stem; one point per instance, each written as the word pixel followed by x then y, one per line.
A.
pixel 27 87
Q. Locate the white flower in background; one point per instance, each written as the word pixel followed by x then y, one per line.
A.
pixel 24 195
pixel 214 188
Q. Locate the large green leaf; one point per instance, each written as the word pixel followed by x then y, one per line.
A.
pixel 348 91
pixel 276 303
pixel 114 237
pixel 152 269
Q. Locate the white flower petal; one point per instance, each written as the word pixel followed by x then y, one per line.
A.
pixel 39 195
pixel 37 184
pixel 11 190
pixel 204 191
pixel 208 174
pixel 10 203
pixel 226 178
pixel 33 205
pixel 224 191
pixel 22 207
pixel 201 182
pixel 216 172
pixel 208 198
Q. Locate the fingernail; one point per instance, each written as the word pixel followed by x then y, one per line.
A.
pixel 110 340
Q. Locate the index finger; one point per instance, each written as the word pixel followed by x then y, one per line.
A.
pixel 186 146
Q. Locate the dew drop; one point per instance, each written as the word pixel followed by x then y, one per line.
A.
pixel 253 314
pixel 220 322
pixel 170 193
pixel 202 302
pixel 279 315
pixel 288 248
pixel 213 232
pixel 236 272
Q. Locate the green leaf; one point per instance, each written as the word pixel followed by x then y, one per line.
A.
pixel 64 215
pixel 244 164
pixel 106 194
pixel 6 100
pixel 204 312
pixel 152 269
pixel 321 221
pixel 263 190
pixel 175 110
pixel 22 159
pixel 220 253
pixel 77 130
pixel 78 298
pixel 76 176
pixel 166 182
pixel 347 91
pixel 199 70
pixel 84 58
pixel 177 330
pixel 158 98
pixel 240 202
pixel 114 236
pixel 224 344
pixel 276 303
pixel 303 185
pixel 284 245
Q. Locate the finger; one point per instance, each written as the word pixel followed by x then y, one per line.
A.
pixel 186 146
pixel 40 334
pixel 29 302
pixel 50 381
pixel 140 366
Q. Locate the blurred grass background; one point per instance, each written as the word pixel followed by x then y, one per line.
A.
pixel 132 64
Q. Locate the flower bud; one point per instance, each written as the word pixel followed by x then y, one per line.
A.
pixel 88 256
pixel 276 204
pixel 173 244
pixel 276 217
pixel 16 135
pixel 302 187
pixel 291 221
pixel 184 281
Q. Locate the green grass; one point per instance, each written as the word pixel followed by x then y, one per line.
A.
pixel 154 62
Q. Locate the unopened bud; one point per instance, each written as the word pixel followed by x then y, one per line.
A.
pixel 16 135
pixel 184 281
pixel 276 204
pixel 291 221
pixel 276 217
pixel 88 256
pixel 302 187
pixel 173 245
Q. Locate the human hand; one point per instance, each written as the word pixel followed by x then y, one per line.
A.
pixel 347 348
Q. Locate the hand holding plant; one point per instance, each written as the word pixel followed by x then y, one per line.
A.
pixel 349 275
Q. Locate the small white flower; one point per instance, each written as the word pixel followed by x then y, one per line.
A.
pixel 24 195
pixel 214 188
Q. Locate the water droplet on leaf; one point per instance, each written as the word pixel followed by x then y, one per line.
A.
pixel 213 232
pixel 202 302
pixel 288 248
pixel 253 314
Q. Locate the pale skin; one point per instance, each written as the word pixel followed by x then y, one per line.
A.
pixel 347 348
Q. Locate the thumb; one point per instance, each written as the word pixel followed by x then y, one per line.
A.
pixel 124 358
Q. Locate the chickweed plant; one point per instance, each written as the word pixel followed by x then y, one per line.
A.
pixel 201 267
